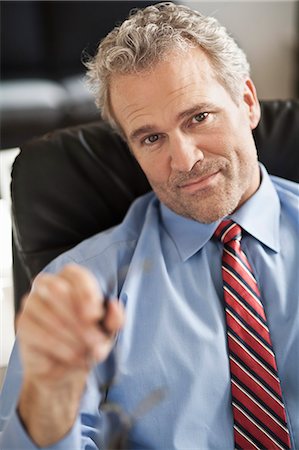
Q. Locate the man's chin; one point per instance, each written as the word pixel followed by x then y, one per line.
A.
pixel 204 211
pixel 206 206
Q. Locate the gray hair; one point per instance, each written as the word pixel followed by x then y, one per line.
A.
pixel 149 34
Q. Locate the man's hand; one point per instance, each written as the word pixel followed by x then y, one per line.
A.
pixel 60 337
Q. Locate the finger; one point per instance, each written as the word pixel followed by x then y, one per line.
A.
pixel 113 320
pixel 110 326
pixel 74 290
pixel 52 299
pixel 52 304
pixel 49 321
pixel 87 296
pixel 35 339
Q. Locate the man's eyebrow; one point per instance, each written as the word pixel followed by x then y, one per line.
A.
pixel 200 107
pixel 148 128
pixel 145 129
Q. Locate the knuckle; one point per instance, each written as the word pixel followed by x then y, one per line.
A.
pixel 40 280
pixel 58 287
pixel 74 270
pixel 48 287
pixel 70 356
pixel 82 280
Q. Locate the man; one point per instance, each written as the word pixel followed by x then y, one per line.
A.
pixel 177 88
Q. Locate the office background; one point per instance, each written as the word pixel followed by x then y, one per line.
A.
pixel 42 44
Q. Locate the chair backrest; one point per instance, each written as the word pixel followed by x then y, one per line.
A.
pixel 75 182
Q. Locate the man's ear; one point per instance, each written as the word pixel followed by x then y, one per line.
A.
pixel 251 101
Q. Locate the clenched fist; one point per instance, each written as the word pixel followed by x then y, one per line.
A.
pixel 64 328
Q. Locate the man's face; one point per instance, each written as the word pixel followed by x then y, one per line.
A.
pixel 193 142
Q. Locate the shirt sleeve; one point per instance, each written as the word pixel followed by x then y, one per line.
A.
pixel 14 437
pixel 89 431
pixel 12 433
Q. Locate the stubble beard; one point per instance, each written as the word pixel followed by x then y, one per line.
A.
pixel 210 204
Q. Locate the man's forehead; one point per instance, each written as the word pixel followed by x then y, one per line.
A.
pixel 169 79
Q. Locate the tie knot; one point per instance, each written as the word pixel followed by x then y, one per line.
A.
pixel 228 231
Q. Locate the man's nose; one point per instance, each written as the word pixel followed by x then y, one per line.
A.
pixel 184 153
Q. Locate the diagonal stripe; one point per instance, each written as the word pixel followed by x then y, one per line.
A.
pixel 250 338
pixel 251 355
pixel 235 249
pixel 249 302
pixel 252 370
pixel 252 400
pixel 234 255
pixel 251 325
pixel 236 259
pixel 249 436
pixel 257 398
pixel 247 291
pixel 259 388
pixel 246 438
pixel 228 291
pixel 256 376
pixel 224 229
pixel 259 418
pixel 264 435
pixel 242 276
pixel 258 409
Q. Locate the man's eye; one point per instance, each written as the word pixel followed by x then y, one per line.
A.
pixel 200 117
pixel 151 139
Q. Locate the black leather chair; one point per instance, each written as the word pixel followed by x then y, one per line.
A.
pixel 73 183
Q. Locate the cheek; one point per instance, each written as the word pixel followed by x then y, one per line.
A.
pixel 237 147
pixel 156 169
pixel 243 166
pixel 219 144
pixel 246 151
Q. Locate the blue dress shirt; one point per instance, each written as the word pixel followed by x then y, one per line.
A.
pixel 166 270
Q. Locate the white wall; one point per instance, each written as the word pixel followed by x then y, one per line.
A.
pixel 266 30
pixel 6 289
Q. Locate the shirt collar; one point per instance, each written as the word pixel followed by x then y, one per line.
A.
pixel 259 216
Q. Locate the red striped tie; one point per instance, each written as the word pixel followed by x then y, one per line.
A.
pixel 258 409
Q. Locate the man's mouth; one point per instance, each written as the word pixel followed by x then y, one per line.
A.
pixel 200 183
